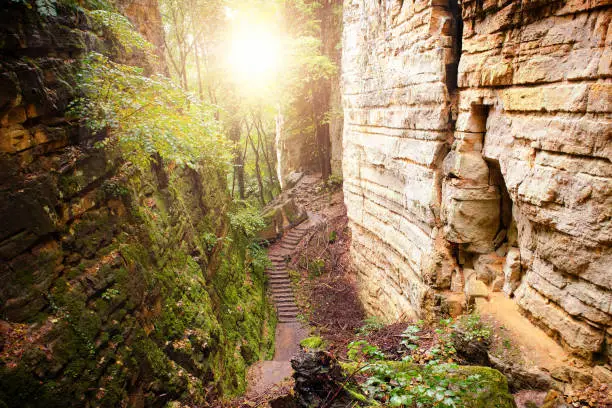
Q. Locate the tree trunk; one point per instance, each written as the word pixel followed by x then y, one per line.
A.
pixel 197 61
pixel 262 199
pixel 262 135
pixel 238 174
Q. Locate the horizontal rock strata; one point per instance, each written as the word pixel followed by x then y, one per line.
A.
pixel 477 149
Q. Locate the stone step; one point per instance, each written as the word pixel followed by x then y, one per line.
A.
pixel 288 299
pixel 287 320
pixel 283 296
pixel 284 315
pixel 292 240
pixel 283 280
pixel 277 275
pixel 280 282
pixel 287 307
pixel 276 258
pixel 287 313
pixel 282 292
pixel 285 303
pixel 282 274
pixel 285 300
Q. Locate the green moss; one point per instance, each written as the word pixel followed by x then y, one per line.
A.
pixel 314 342
pixel 184 313
pixel 68 185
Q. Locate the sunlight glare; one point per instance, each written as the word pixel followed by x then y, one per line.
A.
pixel 254 54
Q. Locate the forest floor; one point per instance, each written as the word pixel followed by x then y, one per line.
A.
pixel 325 293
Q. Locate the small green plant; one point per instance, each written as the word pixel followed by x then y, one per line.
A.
pixel 473 328
pixel 110 294
pixel 121 28
pixel 417 386
pixel 362 351
pixel 410 337
pixel 46 8
pixel 333 236
pixel 334 181
pixel 316 267
pixel 210 240
pixel 110 189
pixel 294 276
pixel 247 219
pixel 371 324
pixel 259 256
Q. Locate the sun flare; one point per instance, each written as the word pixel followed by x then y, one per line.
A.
pixel 254 54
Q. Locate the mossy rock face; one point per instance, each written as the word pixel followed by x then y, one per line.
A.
pixel 293 213
pixel 280 215
pixel 489 391
pixel 149 309
pixel 494 388
pixel 273 218
pixel 116 283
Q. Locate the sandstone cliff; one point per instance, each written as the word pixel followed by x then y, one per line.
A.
pixel 477 158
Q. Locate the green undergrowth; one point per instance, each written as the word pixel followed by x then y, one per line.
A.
pixel 404 384
pixel 423 374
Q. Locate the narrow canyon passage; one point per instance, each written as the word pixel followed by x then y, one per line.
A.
pixel 305 203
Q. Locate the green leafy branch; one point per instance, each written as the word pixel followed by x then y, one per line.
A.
pixel 148 116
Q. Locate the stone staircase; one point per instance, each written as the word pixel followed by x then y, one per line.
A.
pixel 289 331
pixel 278 277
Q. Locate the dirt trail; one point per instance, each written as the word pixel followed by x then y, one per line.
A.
pixel 537 349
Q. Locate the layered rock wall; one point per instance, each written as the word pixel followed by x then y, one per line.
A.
pixel 496 171
pixel 397 128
